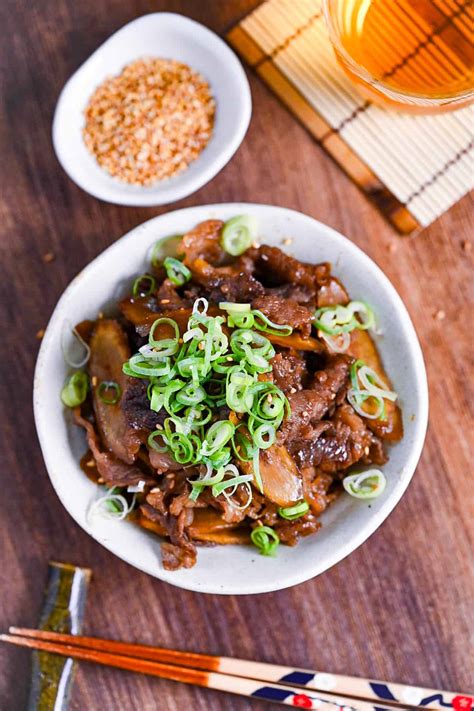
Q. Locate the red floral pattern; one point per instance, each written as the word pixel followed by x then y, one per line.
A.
pixel 462 703
pixel 303 702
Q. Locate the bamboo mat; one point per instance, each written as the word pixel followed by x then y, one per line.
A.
pixel 413 167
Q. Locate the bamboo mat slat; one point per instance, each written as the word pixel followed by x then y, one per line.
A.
pixel 414 167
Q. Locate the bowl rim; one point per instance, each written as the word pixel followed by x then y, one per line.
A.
pixel 376 519
pixel 161 193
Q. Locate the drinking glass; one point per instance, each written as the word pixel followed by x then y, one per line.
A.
pixel 414 55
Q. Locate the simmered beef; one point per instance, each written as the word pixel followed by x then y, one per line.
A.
pixel 289 371
pixel 135 405
pixel 109 351
pixel 309 406
pixel 203 242
pixel 112 470
pixel 305 460
pixel 279 268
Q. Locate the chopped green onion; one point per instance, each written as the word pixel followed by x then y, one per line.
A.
pixel 365 485
pixel 242 445
pixel 191 394
pixel 374 389
pixel 165 247
pixel 239 315
pixel 191 377
pixel 111 506
pixel 154 445
pixel 137 288
pixel 256 470
pixel 217 436
pixel 231 306
pixel 291 513
pixel 265 539
pixel 176 271
pixel 263 323
pixel 238 234
pixel 78 345
pixel 75 389
pixel 103 392
pixel 163 346
pixel 157 399
pixel 239 396
pixel 139 365
pixel 230 483
pixel 336 320
pixel 337 344
pixel 264 436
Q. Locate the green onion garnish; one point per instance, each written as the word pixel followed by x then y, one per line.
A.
pixel 265 539
pixel 75 389
pixel 373 389
pixel 143 285
pixel 176 271
pixel 109 392
pixel 291 513
pixel 263 323
pixel 338 319
pixel 165 247
pixel 242 316
pixel 365 485
pixel 238 234
pixel 190 377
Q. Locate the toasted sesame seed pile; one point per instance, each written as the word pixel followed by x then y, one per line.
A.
pixel 149 122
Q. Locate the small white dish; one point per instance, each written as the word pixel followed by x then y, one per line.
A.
pixel 171 36
pixel 348 522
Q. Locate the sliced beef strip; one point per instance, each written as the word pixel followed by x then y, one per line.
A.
pixel 288 371
pixel 278 268
pixel 136 407
pixel 285 312
pixel 113 471
pixel 231 283
pixel 168 299
pixel 163 462
pixel 169 504
pixel 203 242
pixel 175 557
pixel 309 406
pixel 316 485
pixel 109 351
pixel 344 443
pixel 289 532
pixel 301 294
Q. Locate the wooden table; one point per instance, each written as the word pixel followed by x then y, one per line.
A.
pixel 397 608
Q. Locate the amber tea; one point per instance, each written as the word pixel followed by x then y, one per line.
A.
pixel 417 54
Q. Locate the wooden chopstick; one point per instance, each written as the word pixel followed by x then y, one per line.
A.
pixel 252 688
pixel 350 686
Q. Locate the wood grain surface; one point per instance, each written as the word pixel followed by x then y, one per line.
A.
pixel 399 607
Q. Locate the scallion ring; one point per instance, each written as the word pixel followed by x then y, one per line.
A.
pixel 109 392
pixel 79 344
pixel 238 234
pixel 365 485
pixel 263 323
pixel 265 539
pixel 177 272
pixel 164 346
pixel 139 290
pixel 291 513
pixel 75 389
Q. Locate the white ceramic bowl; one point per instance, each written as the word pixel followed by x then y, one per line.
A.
pixel 346 524
pixel 171 36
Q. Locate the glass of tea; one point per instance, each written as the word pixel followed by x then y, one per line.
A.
pixel 414 55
